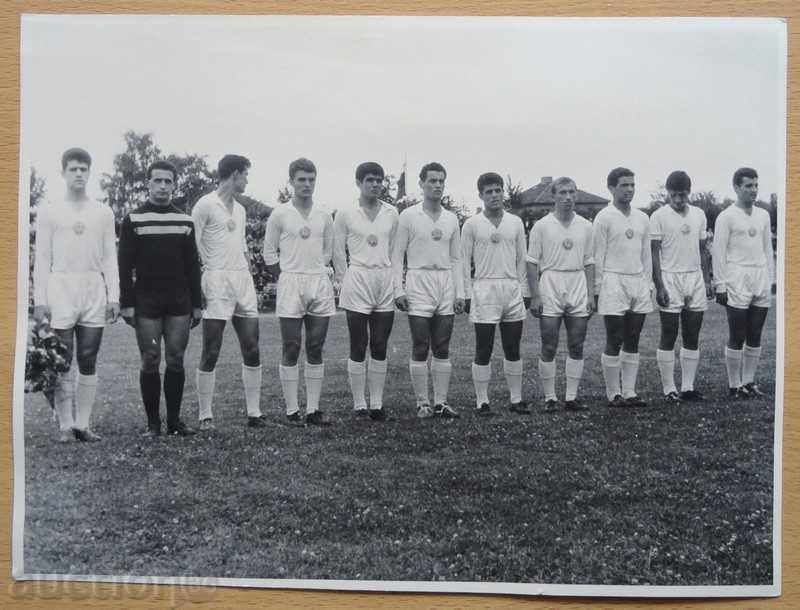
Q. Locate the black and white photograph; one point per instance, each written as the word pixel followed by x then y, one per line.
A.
pixel 394 303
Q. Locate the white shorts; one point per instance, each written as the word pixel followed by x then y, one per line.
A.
pixel 620 293
pixel 304 294
pixel 748 286
pixel 365 290
pixel 496 300
pixel 229 293
pixel 686 290
pixel 564 293
pixel 76 299
pixel 430 292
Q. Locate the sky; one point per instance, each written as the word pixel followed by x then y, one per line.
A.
pixel 523 97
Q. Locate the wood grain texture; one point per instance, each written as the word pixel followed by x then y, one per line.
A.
pixel 96 596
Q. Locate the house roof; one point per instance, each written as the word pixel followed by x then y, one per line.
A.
pixel 541 195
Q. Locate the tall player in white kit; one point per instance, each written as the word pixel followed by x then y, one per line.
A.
pixel 298 246
pixel 742 260
pixel 428 237
pixel 683 284
pixel 499 292
pixel 219 224
pixel 76 286
pixel 623 280
pixel 367 233
pixel 561 278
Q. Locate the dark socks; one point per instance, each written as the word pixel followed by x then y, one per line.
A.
pixel 173 393
pixel 150 385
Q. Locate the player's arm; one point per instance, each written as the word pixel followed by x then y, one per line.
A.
pixel 589 269
pixel 533 258
pixel 522 265
pixel 467 247
pixel 662 297
pixel 327 241
pixel 247 255
pixel 705 263
pixel 647 256
pixel 200 219
pixel 126 258
pixel 110 267
pixel 339 246
pixel 768 251
pixel 719 249
pixel 458 268
pixel 599 246
pixel 398 255
pixel 272 236
pixel 191 259
pixel 42 261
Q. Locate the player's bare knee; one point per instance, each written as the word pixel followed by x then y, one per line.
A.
pixel 548 352
pixel 419 352
pixel 151 360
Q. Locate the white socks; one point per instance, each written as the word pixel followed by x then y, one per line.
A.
pixel 63 396
pixel 611 367
pixel 689 360
pixel 357 374
pixel 481 374
pixel 666 366
pixel 547 372
pixel 419 380
pixel 377 378
pixel 251 379
pixel 574 372
pixel 513 372
pixel 205 381
pixel 630 369
pixel 289 376
pixel 750 363
pixel 85 392
pixel 733 362
pixel 440 372
pixel 314 374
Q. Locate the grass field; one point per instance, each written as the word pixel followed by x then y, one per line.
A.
pixel 661 495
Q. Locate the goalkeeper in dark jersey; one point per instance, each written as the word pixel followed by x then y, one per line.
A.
pixel 160 293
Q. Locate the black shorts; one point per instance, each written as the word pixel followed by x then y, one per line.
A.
pixel 155 304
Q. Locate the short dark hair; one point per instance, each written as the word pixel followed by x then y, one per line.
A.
pixel 75 154
pixel 678 181
pixel 165 165
pixel 431 167
pixel 230 164
pixel 488 178
pixel 559 181
pixel 370 167
pixel 301 165
pixel 742 173
pixel 615 174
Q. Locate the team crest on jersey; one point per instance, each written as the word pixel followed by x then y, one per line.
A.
pixel 436 234
pixel 567 243
pixel 629 233
pixel 752 231
pixel 231 224
pixel 372 239
pixel 685 229
pixel 305 232
pixel 495 237
pixel 79 228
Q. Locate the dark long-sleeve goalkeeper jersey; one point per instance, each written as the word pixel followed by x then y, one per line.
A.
pixel 157 244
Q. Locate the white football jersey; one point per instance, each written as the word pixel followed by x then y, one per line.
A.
pixel 621 243
pixel 301 244
pixel 220 234
pixel 742 239
pixel 369 242
pixel 680 236
pixel 554 246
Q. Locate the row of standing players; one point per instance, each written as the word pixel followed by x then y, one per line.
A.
pixel 570 270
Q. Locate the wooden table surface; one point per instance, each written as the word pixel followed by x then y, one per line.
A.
pixel 104 595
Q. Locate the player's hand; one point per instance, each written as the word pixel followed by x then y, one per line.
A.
pixel 274 270
pixel 527 302
pixel 662 296
pixel 722 298
pixel 112 313
pixel 128 314
pixel 40 312
pixel 197 317
pixel 591 306
pixel 709 291
pixel 401 303
pixel 458 306
pixel 536 306
pixel 596 302
pixel 467 305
